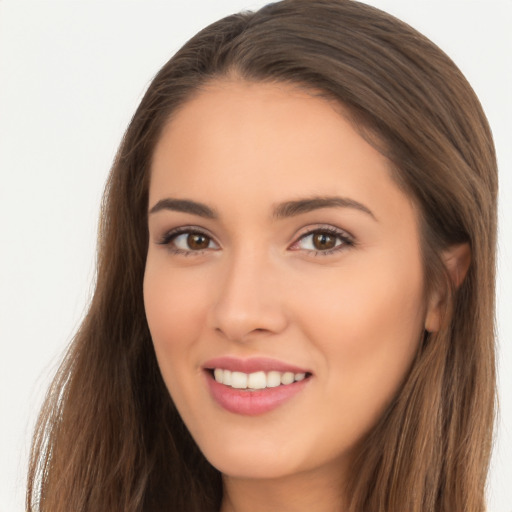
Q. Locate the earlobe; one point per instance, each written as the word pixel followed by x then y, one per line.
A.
pixel 433 316
pixel 456 259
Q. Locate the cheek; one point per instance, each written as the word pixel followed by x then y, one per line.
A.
pixel 175 310
pixel 367 325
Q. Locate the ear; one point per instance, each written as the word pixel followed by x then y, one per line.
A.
pixel 456 259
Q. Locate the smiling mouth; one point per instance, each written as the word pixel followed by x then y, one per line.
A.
pixel 257 380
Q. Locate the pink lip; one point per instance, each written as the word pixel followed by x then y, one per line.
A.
pixel 252 403
pixel 254 364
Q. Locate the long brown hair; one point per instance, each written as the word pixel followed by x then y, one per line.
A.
pixel 109 437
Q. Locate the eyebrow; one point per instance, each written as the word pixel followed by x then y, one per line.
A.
pixel 300 206
pixel 280 211
pixel 185 206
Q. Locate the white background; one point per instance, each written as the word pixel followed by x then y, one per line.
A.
pixel 71 75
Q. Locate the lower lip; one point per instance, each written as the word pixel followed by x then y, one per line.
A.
pixel 252 403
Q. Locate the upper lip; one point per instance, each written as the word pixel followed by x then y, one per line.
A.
pixel 251 365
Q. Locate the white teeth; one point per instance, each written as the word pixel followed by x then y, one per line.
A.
pixel 218 373
pixel 239 380
pixel 287 378
pixel 273 379
pixel 256 380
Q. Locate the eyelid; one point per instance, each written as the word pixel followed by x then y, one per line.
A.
pixel 347 239
pixel 168 236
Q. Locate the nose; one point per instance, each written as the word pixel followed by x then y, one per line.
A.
pixel 249 303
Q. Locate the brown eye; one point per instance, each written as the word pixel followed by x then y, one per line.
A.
pixel 197 241
pixel 323 241
pixel 189 242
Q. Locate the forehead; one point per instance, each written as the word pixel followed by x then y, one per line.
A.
pixel 249 143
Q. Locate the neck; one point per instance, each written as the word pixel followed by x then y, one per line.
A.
pixel 296 493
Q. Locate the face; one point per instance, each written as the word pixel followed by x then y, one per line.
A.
pixel 283 288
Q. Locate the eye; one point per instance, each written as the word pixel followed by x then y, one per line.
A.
pixel 325 240
pixel 188 241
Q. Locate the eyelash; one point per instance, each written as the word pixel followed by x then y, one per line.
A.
pixel 168 238
pixel 346 240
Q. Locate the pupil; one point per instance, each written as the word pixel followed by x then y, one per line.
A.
pixel 323 241
pixel 197 241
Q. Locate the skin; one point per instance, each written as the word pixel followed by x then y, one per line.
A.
pixel 352 317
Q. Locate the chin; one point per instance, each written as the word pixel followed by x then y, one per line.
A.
pixel 257 468
pixel 267 457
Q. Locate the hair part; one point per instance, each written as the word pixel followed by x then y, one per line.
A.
pixel 109 437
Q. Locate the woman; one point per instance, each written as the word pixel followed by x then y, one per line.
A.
pixel 295 294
